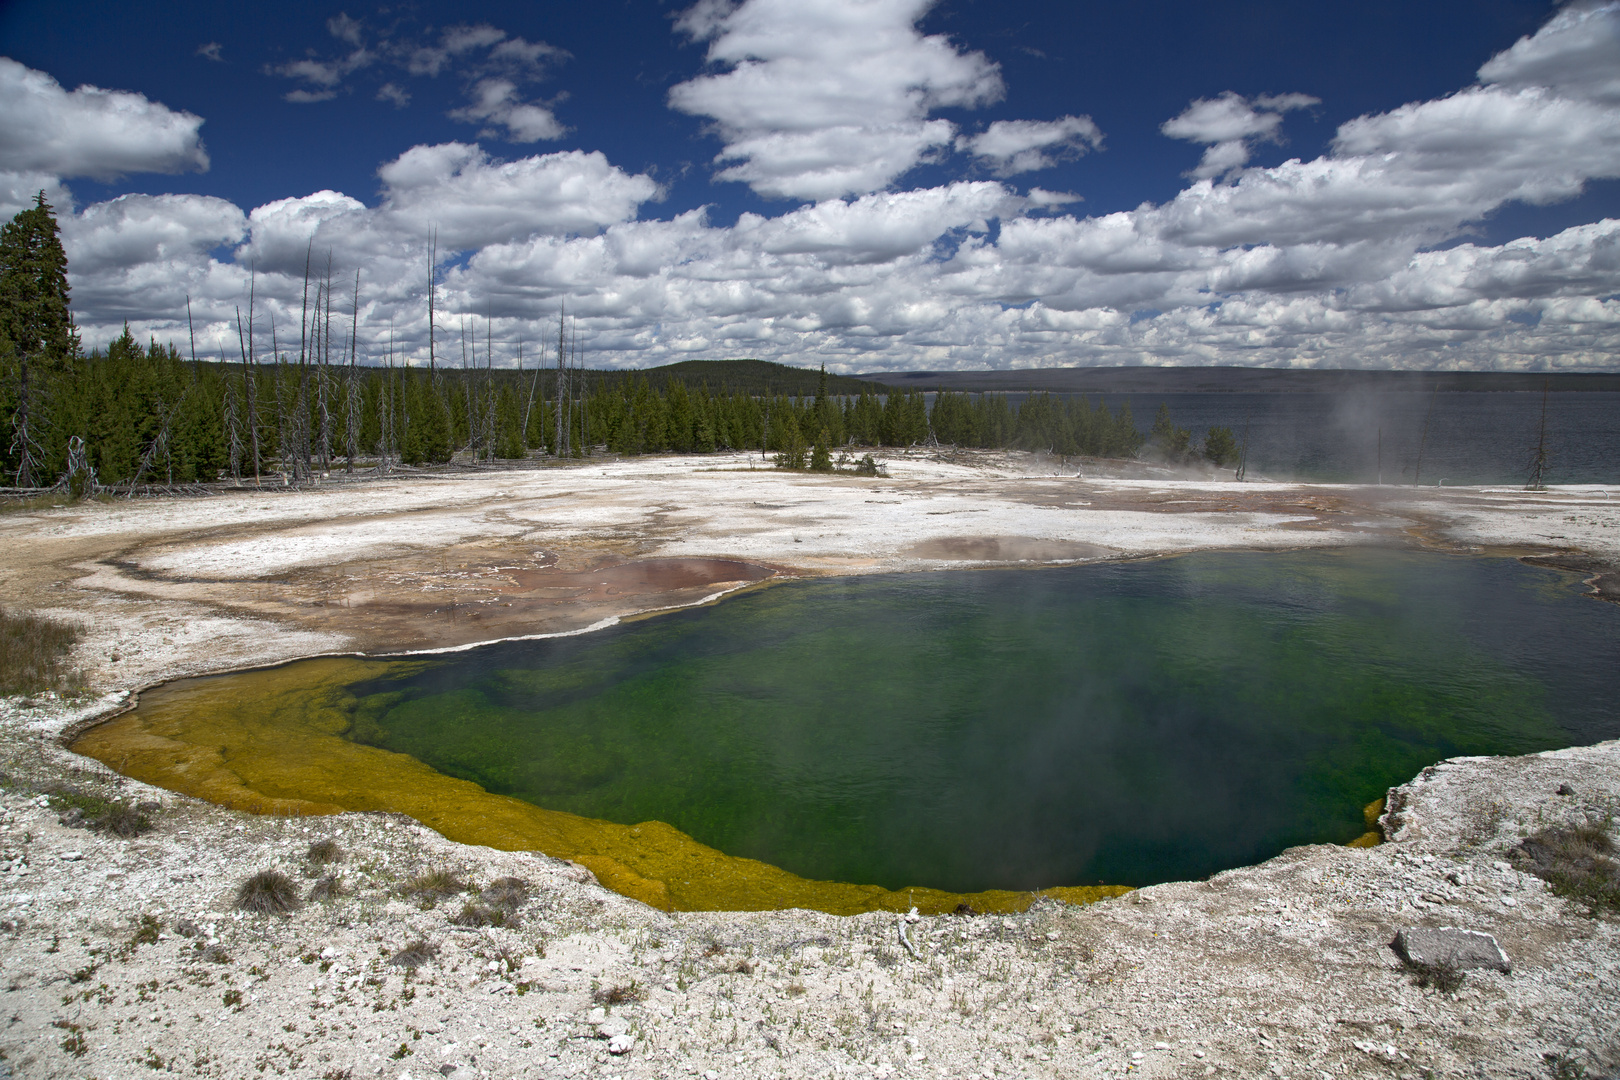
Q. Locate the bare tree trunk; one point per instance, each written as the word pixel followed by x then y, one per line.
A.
pixel 533 384
pixel 250 377
pixel 303 368
pixel 386 409
pixel 562 386
pixel 23 443
pixel 351 418
pixel 284 433
pixel 323 382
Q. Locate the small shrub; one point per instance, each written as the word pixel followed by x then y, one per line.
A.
pixel 328 887
pixel 269 892
pixel 1577 861
pixel 147 930
pixel 33 651
pixel 435 885
pixel 322 852
pixel 624 994
pixel 867 466
pixel 232 997
pixel 414 955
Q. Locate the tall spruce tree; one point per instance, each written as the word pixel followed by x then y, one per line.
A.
pixel 36 328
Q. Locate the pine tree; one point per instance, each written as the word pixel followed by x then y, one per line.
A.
pixel 36 327
pixel 821 457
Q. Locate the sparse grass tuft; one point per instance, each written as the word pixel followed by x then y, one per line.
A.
pixel 268 892
pixel 506 892
pixel 322 852
pixel 1443 977
pixel 32 653
pixel 435 885
pixel 147 929
pixel 1578 861
pixel 214 954
pixel 414 955
pixel 623 994
pixel 328 887
pixel 83 809
pixel 475 913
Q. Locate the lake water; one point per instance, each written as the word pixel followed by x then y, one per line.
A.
pixel 1472 437
pixel 1123 723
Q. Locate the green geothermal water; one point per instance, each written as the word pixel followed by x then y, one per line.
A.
pixel 1122 723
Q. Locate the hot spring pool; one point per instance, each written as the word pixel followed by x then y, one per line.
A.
pixel 1116 724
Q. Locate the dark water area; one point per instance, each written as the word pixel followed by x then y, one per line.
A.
pixel 1123 723
pixel 1473 437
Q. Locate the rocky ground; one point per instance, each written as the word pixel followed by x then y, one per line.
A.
pixel 128 956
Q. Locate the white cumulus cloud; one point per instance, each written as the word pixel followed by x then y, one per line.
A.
pixel 89 131
pixel 1576 53
pixel 1019 146
pixel 1358 255
pixel 1232 123
pixel 823 98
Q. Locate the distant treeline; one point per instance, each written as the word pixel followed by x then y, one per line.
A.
pixel 147 415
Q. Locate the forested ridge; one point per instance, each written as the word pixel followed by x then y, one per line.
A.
pixel 147 414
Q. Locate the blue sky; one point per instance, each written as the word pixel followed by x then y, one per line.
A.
pixel 903 185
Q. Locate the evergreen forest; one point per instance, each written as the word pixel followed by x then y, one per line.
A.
pixel 147 414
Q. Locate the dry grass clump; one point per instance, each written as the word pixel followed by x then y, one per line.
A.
pixel 32 654
pixel 506 892
pixel 474 913
pixel 1578 861
pixel 414 955
pixel 322 852
pixel 497 905
pixel 434 885
pixel 269 892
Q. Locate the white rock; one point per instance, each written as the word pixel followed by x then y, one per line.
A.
pixel 72 856
pixel 621 1044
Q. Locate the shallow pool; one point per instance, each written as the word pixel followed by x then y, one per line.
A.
pixel 1017 729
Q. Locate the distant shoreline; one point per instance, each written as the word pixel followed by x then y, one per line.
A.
pixel 1207 380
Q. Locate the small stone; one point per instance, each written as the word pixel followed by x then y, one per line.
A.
pixel 1463 950
pixel 1508 901
pixel 1161 1046
pixel 72 856
pixel 1565 789
pixel 621 1044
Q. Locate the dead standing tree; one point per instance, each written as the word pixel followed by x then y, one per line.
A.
pixel 562 385
pixel 351 404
